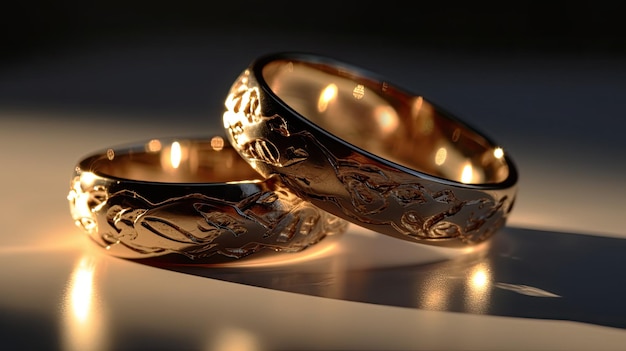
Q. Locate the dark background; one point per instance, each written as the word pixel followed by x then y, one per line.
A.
pixel 179 57
pixel 29 28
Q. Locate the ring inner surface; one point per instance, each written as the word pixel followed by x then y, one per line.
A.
pixel 177 161
pixel 389 123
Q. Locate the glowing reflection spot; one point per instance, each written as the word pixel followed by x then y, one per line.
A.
pixel 82 290
pixel 175 154
pixel 479 283
pixel 154 145
pixel 235 339
pixel 110 154
pixel 83 318
pixel 479 279
pixel 467 174
pixel 82 202
pixel 87 178
pixel 358 92
pixel 217 143
pixel 328 94
pixel 387 119
pixel 440 156
pixel 435 299
pixel 498 153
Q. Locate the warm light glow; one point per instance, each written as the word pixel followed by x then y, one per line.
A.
pixel 80 201
pixel 244 79
pixel 328 94
pixel 217 143
pixel 154 145
pixel 234 339
pixel 479 279
pixel 441 155
pixel 175 154
pixel 387 119
pixel 87 178
pixel 435 298
pixel 479 283
pixel 82 290
pixel 236 117
pixel 434 292
pixel 468 174
pixel 230 103
pixel 83 319
pixel 498 153
pixel 358 92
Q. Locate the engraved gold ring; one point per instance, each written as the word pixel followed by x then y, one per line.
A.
pixel 192 198
pixel 369 151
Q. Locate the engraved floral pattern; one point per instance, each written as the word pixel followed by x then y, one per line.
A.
pixel 367 186
pixel 373 195
pixel 200 226
pixel 243 113
pixel 426 214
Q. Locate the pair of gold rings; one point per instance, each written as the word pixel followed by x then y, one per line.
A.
pixel 310 144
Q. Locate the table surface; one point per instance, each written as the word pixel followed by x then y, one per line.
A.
pixel 549 280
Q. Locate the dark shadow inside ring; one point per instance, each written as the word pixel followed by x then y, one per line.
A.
pixel 522 273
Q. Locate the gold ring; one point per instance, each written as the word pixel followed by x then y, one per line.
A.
pixel 192 197
pixel 369 151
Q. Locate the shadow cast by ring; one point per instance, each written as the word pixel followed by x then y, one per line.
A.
pixel 518 273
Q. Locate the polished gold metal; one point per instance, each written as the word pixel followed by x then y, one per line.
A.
pixel 368 151
pixel 195 198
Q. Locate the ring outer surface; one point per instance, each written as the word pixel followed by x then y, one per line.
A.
pixel 196 221
pixel 353 183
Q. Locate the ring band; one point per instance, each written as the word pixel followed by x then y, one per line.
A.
pixel 368 151
pixel 193 197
